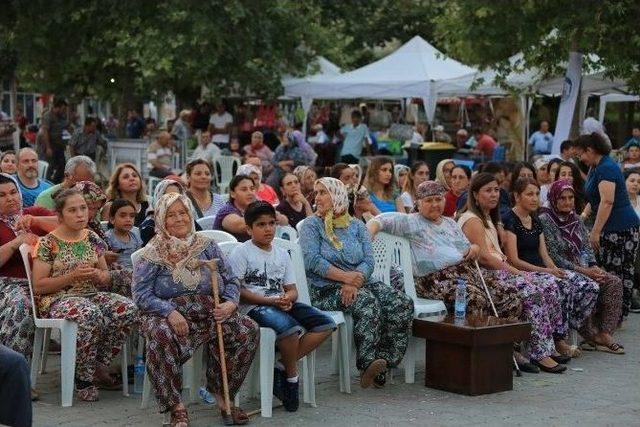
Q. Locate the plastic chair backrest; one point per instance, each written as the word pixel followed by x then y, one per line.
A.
pixel 295 251
pixel 218 236
pixel 299 226
pixel 286 232
pixel 25 251
pixel 227 247
pixel 136 256
pixel 206 222
pixel 43 167
pixel 152 181
pixel 391 250
pixel 224 169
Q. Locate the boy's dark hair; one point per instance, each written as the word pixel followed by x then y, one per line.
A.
pixel 356 114
pixel 256 209
pixel 566 145
pixel 493 168
pixel 117 204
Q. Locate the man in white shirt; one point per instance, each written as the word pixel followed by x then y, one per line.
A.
pixel 206 150
pixel 160 155
pixel 220 126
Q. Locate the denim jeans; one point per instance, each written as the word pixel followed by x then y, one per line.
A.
pixel 301 317
pixel 15 389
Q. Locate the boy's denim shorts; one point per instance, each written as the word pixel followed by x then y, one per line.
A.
pixel 300 318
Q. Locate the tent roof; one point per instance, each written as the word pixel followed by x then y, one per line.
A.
pixel 401 74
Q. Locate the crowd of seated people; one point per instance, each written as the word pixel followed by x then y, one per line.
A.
pixel 557 248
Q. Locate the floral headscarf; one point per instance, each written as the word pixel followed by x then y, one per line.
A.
pixel 93 193
pixel 161 187
pixel 429 188
pixel 179 255
pixel 338 216
pixel 569 224
pixel 11 219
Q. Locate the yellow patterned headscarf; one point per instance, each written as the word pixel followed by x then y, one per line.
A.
pixel 338 216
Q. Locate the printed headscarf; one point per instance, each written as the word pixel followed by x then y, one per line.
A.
pixel 569 224
pixel 429 188
pixel 93 193
pixel 248 169
pixel 398 169
pixel 161 188
pixel 11 219
pixel 440 173
pixel 338 216
pixel 179 255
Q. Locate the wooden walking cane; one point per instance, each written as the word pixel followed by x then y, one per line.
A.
pixel 213 268
pixel 495 312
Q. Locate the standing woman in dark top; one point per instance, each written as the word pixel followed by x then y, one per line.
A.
pixel 526 249
pixel 294 205
pixel 126 183
pixel 615 235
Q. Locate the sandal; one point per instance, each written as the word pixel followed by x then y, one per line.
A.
pixel 588 346
pixel 88 394
pixel 376 367
pixel 180 417
pixel 237 418
pixel 613 348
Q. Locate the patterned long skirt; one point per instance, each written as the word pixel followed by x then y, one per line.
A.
pixel 382 319
pixel 541 307
pixel 167 352
pixel 608 312
pixel 104 322
pixel 441 285
pixel 617 255
pixel 121 278
pixel 16 316
pixel 579 296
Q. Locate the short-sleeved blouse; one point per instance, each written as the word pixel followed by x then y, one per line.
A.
pixel 528 240
pixel 65 256
pixel 433 246
pixel 226 210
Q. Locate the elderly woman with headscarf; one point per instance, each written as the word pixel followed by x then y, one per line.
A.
pixel 307 177
pixel 286 158
pixel 172 289
pixel 442 255
pixel 17 226
pixel 339 262
pixel 443 173
pixel 568 245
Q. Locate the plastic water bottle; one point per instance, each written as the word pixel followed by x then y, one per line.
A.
pixel 584 258
pixel 461 299
pixel 138 375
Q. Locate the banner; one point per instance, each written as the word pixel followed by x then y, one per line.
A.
pixel 570 91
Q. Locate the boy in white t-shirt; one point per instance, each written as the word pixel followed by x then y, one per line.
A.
pixel 268 295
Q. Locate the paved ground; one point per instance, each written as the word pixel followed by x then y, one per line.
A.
pixel 604 390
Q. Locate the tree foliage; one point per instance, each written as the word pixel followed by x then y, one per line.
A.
pixel 231 46
pixel 487 33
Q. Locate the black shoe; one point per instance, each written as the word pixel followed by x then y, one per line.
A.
pixel 562 359
pixel 279 378
pixel 558 369
pixel 528 368
pixel 380 380
pixel 635 302
pixel 291 400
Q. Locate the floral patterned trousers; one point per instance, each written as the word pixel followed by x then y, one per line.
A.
pixel 166 351
pixel 617 255
pixel 16 317
pixel 441 285
pixel 578 297
pixel 104 322
pixel 382 319
pixel 608 313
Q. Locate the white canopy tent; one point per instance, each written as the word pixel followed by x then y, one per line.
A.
pixel 614 97
pixel 412 71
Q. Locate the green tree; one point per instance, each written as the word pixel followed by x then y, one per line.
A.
pixel 126 51
pixel 487 33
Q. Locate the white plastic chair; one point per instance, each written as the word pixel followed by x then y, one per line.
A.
pixel 218 236
pixel 223 171
pixel 43 168
pixel 152 181
pixel 68 336
pixel 286 232
pixel 206 222
pixel 191 370
pixel 391 250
